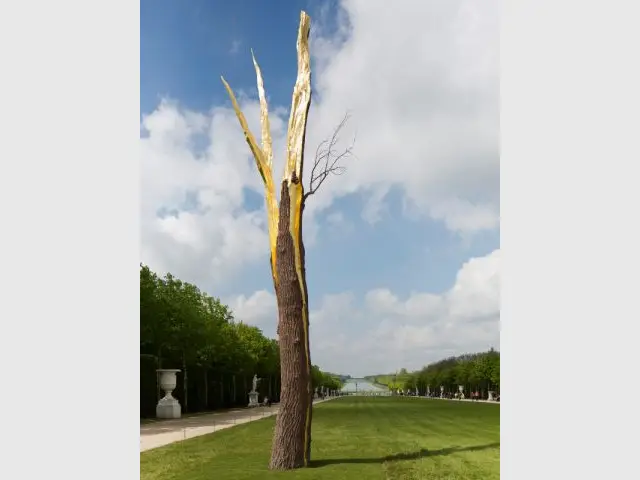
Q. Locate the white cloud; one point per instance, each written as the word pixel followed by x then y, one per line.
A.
pixel 383 331
pixel 477 289
pixel 421 82
pixel 258 309
pixel 194 170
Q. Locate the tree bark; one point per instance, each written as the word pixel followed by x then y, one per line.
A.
pixel 222 405
pixel 185 385
pixel 244 388
pixel 292 439
pixel 158 389
pixel 206 389
pixel 233 394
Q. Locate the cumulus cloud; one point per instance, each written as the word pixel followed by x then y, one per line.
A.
pixel 421 83
pixel 196 172
pixel 258 309
pixel 382 331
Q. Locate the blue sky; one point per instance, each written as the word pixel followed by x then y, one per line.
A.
pixel 427 130
pixel 186 46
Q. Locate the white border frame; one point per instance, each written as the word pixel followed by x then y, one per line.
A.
pixel 69 340
pixel 569 131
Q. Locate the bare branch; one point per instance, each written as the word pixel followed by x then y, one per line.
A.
pixel 327 160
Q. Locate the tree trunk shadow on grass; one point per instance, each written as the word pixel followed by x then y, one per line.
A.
pixel 422 453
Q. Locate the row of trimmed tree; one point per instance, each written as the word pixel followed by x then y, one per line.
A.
pixel 183 327
pixel 475 372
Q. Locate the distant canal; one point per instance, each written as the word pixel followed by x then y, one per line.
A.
pixel 360 385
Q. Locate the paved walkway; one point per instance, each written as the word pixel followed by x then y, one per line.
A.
pixel 164 432
pixel 460 400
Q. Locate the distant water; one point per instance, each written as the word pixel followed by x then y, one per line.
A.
pixel 361 385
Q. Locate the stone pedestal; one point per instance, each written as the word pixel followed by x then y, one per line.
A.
pixel 491 398
pixel 253 399
pixel 168 406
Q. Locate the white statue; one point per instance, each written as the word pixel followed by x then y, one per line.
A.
pixel 255 383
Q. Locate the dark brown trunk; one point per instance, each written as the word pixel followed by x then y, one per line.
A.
pixel 233 382
pixel 206 390
pixel 158 389
pixel 185 384
pixel 244 388
pixel 292 438
pixel 305 292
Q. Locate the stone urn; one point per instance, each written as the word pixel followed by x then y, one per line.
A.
pixel 168 406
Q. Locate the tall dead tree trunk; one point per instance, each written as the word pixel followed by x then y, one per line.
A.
pixel 292 437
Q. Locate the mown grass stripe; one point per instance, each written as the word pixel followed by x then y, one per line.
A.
pixel 353 438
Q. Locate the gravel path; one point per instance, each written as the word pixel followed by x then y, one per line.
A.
pixel 160 433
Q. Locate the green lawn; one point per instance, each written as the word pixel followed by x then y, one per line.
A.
pixel 362 438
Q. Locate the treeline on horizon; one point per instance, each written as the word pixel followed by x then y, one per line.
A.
pixel 475 371
pixel 218 355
